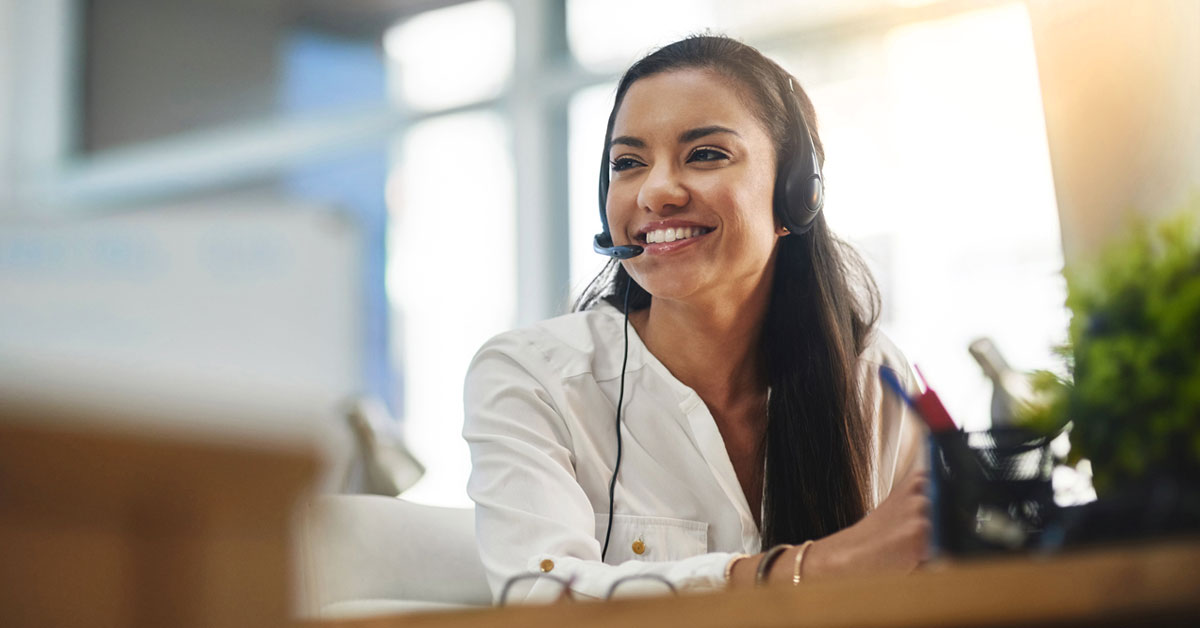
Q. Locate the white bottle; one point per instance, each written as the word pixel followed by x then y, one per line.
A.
pixel 1010 388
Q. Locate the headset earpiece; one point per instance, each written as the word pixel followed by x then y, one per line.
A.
pixel 799 187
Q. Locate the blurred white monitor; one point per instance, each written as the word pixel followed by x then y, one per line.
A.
pixel 236 317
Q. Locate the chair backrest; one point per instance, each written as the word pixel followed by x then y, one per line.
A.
pixel 359 548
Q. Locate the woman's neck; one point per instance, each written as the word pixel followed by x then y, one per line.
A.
pixel 713 347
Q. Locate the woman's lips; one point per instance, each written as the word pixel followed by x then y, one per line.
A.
pixel 662 248
pixel 670 232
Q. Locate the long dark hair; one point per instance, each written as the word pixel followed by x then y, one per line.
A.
pixel 823 306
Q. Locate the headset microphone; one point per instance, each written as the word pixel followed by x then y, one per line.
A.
pixel 603 245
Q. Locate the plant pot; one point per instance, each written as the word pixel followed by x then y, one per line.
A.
pixel 1161 505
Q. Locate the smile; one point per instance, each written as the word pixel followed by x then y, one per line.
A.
pixel 672 234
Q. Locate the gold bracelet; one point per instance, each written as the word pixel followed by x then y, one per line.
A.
pixel 729 567
pixel 797 574
pixel 764 565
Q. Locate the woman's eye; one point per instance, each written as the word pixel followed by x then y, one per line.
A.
pixel 707 154
pixel 624 163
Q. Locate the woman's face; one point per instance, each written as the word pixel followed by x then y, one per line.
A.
pixel 692 178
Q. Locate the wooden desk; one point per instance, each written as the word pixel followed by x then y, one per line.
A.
pixel 1155 584
pixel 104 528
pixel 118 529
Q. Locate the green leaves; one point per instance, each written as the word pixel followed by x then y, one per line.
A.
pixel 1135 333
pixel 1048 413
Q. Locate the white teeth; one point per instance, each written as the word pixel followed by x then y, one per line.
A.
pixel 671 235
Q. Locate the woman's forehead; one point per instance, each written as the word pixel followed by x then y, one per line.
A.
pixel 680 99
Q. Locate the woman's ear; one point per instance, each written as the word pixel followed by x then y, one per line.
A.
pixel 782 231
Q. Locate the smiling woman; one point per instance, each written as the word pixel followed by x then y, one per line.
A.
pixel 734 344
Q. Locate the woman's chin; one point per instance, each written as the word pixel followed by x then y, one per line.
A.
pixel 709 286
pixel 671 288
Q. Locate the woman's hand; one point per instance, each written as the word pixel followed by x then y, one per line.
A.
pixel 894 537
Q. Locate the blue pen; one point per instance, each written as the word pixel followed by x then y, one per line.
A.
pixel 926 405
pixel 889 377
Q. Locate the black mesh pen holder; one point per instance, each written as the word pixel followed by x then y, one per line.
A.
pixel 991 490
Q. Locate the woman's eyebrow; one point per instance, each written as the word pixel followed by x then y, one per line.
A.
pixel 690 135
pixel 697 133
pixel 627 140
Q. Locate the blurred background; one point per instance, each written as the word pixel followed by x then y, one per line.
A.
pixel 245 217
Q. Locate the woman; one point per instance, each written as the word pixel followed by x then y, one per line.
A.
pixel 740 354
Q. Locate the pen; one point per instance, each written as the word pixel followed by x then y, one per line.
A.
pixel 927 405
pixel 943 430
pixel 930 407
pixel 889 377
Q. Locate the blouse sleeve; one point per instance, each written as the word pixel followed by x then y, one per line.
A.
pixel 531 514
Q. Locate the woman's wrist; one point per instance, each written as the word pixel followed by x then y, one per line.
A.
pixel 798 562
pixel 784 568
pixel 820 560
pixel 768 565
pixel 731 566
pixel 741 573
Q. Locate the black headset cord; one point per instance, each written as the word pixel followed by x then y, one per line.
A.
pixel 612 485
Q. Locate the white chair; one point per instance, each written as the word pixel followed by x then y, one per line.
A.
pixel 367 555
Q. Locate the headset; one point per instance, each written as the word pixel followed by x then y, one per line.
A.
pixel 798 199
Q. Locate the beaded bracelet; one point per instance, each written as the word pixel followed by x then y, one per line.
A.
pixel 764 565
pixel 798 566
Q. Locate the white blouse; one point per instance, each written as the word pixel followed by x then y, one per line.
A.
pixel 540 421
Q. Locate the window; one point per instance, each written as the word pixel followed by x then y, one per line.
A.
pixel 452 56
pixel 588 117
pixel 452 234
pixel 938 170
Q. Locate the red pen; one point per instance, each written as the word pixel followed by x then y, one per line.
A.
pixel 930 408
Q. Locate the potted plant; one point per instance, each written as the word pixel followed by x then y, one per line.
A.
pixel 1132 396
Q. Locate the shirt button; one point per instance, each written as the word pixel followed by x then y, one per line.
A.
pixel 639 547
pixel 547 565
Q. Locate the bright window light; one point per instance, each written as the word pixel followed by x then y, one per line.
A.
pixel 938 170
pixel 452 56
pixel 588 116
pixel 609 35
pixel 751 19
pixel 452 279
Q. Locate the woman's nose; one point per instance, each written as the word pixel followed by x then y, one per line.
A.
pixel 662 191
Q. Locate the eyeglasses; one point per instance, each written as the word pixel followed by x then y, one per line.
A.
pixel 566 592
